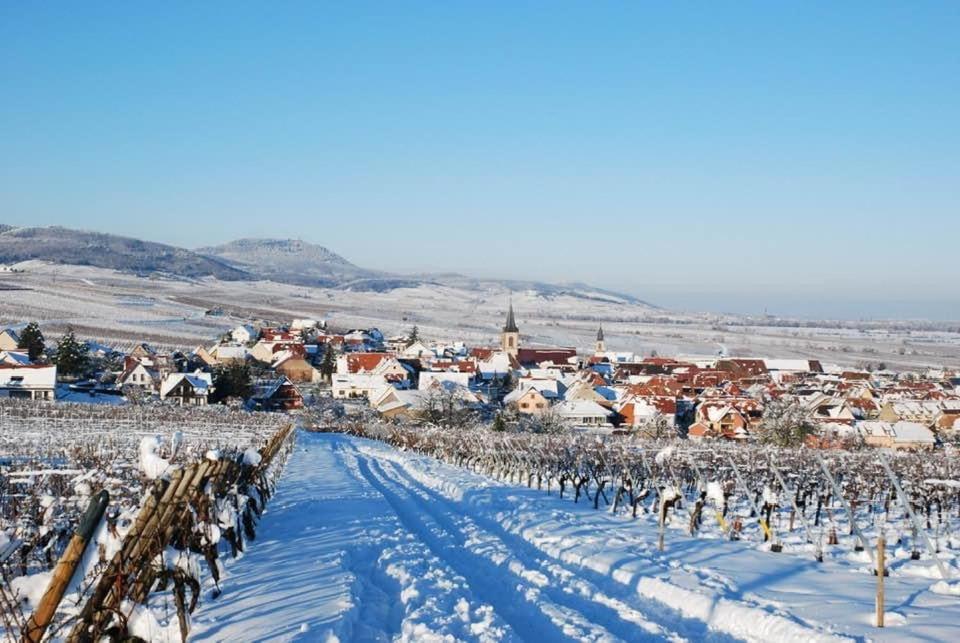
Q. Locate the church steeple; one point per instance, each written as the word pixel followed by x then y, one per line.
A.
pixel 511 325
pixel 510 337
pixel 601 346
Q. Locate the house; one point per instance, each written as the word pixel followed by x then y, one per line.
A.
pixel 229 353
pixel 187 389
pixel 902 435
pixel 530 401
pixel 295 367
pixel 9 340
pixel 921 411
pixel 383 364
pixel 495 364
pixel 357 385
pixel 826 408
pixel 143 350
pixel 363 340
pixel 264 350
pixel 28 382
pixel 719 419
pixel 140 373
pixel 427 378
pixel 279 394
pixel 740 368
pixel 539 356
pixel 863 408
pixel 639 411
pixel 307 324
pixel 583 413
pixel 243 334
pixel 581 390
pixel 793 366
pixel 202 355
pixel 416 350
pixel 549 386
pixel 391 402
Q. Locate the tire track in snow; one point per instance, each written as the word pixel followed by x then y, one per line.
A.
pixel 561 600
pixel 690 621
pixel 614 602
pixel 431 598
pixel 514 600
pixel 565 586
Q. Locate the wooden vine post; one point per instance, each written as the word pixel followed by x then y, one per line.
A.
pixel 881 570
pixel 64 571
pixel 662 521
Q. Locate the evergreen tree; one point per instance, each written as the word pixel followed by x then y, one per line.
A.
pixel 414 336
pixel 71 355
pixel 232 380
pixel 499 424
pixel 329 364
pixel 31 340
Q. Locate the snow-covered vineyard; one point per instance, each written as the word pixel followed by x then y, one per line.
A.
pixel 380 531
pixel 106 513
pixel 367 542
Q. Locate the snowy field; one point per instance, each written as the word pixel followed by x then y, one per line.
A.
pixel 363 542
pixel 122 309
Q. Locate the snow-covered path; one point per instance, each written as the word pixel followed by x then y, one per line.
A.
pixel 366 543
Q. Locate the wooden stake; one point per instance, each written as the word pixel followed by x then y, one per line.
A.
pixel 66 566
pixel 881 570
pixel 663 521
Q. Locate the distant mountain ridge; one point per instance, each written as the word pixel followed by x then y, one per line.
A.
pixel 288 261
pixel 291 261
pixel 83 248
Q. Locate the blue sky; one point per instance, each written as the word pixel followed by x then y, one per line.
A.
pixel 800 157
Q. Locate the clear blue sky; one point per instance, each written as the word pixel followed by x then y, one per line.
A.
pixel 804 156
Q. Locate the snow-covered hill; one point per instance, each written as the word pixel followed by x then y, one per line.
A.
pixel 78 247
pixel 288 261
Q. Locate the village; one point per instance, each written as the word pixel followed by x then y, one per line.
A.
pixel 509 386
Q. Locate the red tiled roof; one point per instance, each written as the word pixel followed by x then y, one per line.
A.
pixel 540 355
pixel 481 353
pixel 359 362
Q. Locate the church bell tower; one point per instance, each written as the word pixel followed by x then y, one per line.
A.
pixel 510 336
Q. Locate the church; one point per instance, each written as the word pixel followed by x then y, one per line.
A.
pixel 530 357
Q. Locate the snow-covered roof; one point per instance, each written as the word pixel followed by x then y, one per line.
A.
pixel 797 365
pixel 229 351
pixel 14 358
pixel 900 431
pixel 29 377
pixel 581 408
pixel 201 382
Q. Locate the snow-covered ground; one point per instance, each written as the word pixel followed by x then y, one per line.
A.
pixel 364 542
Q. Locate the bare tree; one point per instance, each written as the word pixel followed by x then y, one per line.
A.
pixel 786 423
pixel 657 427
